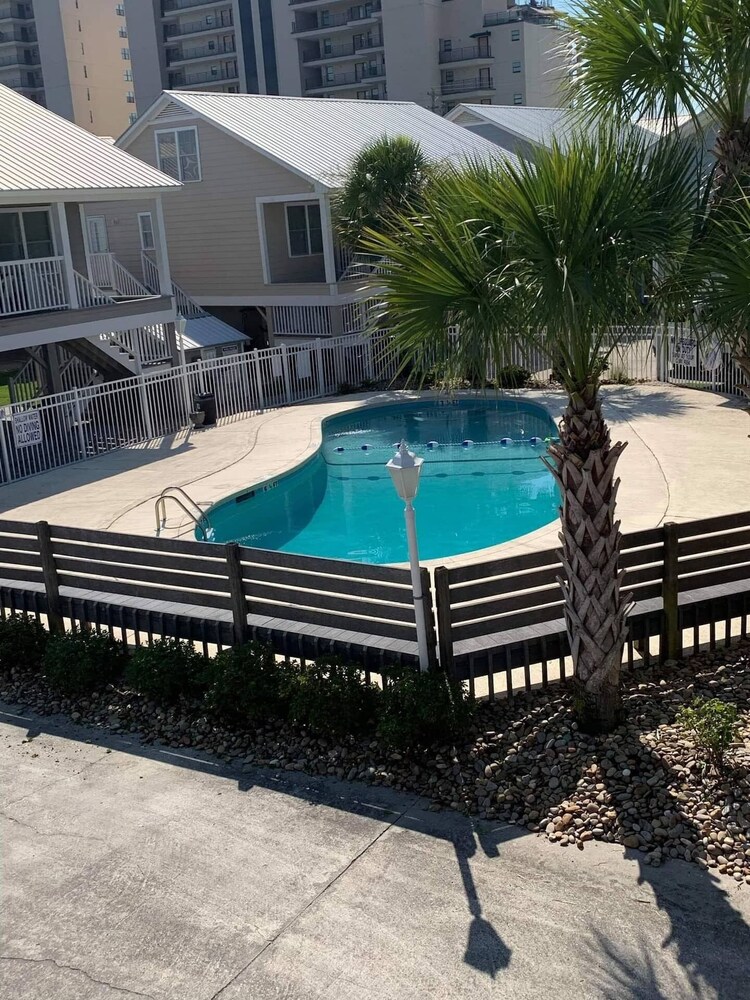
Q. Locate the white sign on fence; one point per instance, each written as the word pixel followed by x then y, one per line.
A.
pixel 685 352
pixel 27 428
pixel 714 357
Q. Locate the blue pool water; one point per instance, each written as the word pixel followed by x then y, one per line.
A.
pixel 341 503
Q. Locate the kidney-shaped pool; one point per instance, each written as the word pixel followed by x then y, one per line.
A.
pixel 482 483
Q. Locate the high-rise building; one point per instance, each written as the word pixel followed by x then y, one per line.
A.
pixel 436 52
pixel 218 45
pixel 73 57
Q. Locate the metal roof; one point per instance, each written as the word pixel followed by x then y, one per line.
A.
pixel 40 152
pixel 540 126
pixel 318 138
pixel 210 331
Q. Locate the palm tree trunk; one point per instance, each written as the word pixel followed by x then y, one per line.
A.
pixel 732 151
pixel 583 462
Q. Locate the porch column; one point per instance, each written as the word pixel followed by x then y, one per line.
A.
pixel 162 253
pixel 67 255
pixel 329 256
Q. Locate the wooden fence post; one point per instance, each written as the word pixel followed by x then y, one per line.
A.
pixel 429 617
pixel 237 593
pixel 443 608
pixel 49 574
pixel 670 593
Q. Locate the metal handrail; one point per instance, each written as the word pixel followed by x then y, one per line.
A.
pixel 168 493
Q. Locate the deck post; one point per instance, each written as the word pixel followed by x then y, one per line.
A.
pixel 443 608
pixel 670 593
pixel 49 574
pixel 237 593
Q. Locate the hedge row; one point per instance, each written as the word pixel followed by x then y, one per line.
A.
pixel 246 685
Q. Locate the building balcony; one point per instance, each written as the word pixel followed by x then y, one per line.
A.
pixel 337 21
pixel 14 33
pixel 15 12
pixel 475 85
pixel 18 83
pixel 181 80
pixel 196 28
pixel 171 7
pixel 215 51
pixel 44 300
pixel 470 53
pixel 17 58
pixel 522 12
pixel 344 51
pixel 346 81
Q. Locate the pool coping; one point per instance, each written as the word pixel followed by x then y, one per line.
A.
pixel 668 470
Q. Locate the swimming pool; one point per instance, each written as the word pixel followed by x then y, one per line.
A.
pixel 482 483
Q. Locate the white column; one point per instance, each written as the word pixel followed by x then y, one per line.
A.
pixel 326 226
pixel 67 255
pixel 416 584
pixel 162 253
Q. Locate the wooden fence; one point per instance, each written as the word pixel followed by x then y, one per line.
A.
pixel 214 594
pixel 500 623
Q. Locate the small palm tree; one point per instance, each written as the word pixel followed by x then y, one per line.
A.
pixel 385 178
pixel 549 255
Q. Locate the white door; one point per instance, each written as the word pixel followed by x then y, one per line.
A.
pixel 98 241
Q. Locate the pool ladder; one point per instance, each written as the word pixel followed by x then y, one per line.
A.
pixel 186 504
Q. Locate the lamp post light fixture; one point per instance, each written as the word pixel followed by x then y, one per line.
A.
pixel 405 469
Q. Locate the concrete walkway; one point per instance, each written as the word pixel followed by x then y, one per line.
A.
pixel 686 458
pixel 133 871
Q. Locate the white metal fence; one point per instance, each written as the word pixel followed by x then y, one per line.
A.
pixel 52 431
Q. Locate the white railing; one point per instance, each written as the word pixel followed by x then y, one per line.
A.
pixel 76 374
pixel 89 295
pixel 299 321
pixel 184 304
pixel 57 430
pixel 363 265
pixel 28 286
pixel 146 344
pixel 107 272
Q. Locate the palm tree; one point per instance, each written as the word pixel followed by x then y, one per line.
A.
pixel 385 176
pixel 666 58
pixel 549 255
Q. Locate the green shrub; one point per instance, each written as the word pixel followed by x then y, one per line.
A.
pixel 418 709
pixel 247 685
pixel 712 723
pixel 167 670
pixel 333 697
pixel 512 377
pixel 78 662
pixel 22 642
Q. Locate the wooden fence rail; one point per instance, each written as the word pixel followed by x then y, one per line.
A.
pixel 499 623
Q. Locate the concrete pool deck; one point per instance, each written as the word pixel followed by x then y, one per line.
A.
pixel 686 459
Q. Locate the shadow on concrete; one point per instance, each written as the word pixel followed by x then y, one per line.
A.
pixel 485 949
pixel 707 936
pixel 59 480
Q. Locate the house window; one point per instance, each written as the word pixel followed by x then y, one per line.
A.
pixel 120 9
pixel 518 98
pixel 133 117
pixel 125 53
pixel 517 66
pixel 97 230
pixel 128 76
pixel 122 32
pixel 447 45
pixel 130 97
pixel 26 235
pixel 146 228
pixel 515 35
pixel 303 230
pixel 178 154
pixel 330 74
pixel 486 100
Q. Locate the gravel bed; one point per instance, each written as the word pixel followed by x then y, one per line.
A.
pixel 643 786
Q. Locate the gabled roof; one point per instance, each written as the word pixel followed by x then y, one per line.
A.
pixel 42 155
pixel 539 126
pixel 316 138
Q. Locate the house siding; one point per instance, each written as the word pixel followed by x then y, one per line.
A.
pixel 212 225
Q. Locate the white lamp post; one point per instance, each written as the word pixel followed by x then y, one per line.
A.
pixel 405 470
pixel 180 327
